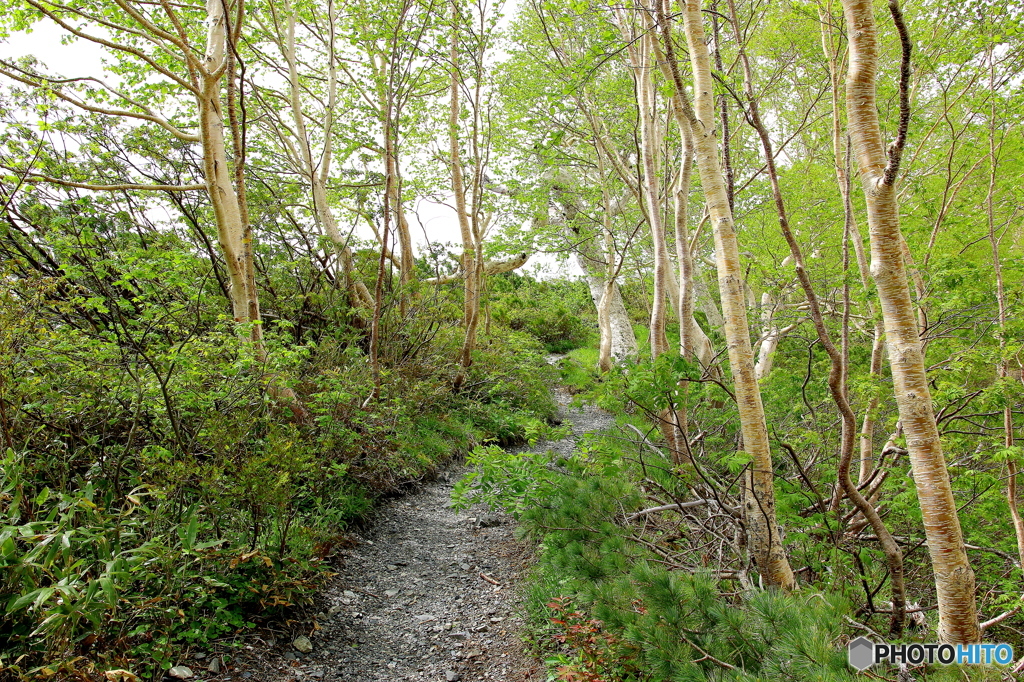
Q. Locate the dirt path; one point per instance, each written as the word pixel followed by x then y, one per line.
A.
pixel 426 594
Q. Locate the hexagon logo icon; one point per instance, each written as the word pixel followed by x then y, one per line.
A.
pixel 861 653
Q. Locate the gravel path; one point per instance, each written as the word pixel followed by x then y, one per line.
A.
pixel 428 594
pixel 425 594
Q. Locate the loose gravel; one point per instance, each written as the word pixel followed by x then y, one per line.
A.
pixel 425 594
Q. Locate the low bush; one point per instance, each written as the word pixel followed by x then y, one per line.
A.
pixel 559 314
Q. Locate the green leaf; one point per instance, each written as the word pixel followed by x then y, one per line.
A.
pixel 109 590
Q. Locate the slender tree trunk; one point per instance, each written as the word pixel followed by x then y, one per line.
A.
pixel 954 579
pixel 378 289
pixel 318 170
pixel 723 106
pixel 759 494
pixel 470 258
pixel 837 371
pixel 842 164
pixel 688 329
pixel 606 358
pixel 231 228
pixel 642 62
pixel 1003 367
pixel 407 263
pixel 693 342
pixel 771 331
pixel 234 231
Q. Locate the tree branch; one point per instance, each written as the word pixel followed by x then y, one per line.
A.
pixel 35 80
pixel 896 149
pixel 490 268
pixel 120 47
pixel 39 177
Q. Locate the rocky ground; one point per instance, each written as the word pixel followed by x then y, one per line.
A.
pixel 425 594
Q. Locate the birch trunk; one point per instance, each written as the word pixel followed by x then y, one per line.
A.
pixel 837 359
pixel 470 246
pixel 605 292
pixel 693 342
pixel 318 170
pixel 954 578
pixel 231 227
pixel 606 357
pixel 771 332
pixel 407 262
pixel 759 493
pixel 842 162
pixel 640 52
pixel 604 289
pixel 640 49
pixel 1003 368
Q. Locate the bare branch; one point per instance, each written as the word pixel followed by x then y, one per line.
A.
pixel 139 54
pixel 490 268
pixel 1000 618
pixel 896 149
pixel 676 506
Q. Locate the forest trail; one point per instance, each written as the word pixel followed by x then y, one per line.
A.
pixel 425 594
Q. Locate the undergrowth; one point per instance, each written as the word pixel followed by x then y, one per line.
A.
pixel 155 498
pixel 616 597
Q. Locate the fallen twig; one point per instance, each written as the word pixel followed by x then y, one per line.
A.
pixel 861 626
pixel 709 657
pixel 675 506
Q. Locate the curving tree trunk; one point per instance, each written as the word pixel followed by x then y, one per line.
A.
pixel 640 48
pixel 232 227
pixel 317 169
pixel 830 48
pixel 640 52
pixel 954 578
pixel 837 359
pixel 1003 370
pixel 619 337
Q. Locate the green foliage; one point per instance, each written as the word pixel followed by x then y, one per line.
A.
pixel 134 574
pixel 139 427
pixel 558 313
pixel 578 369
pixel 606 608
pixel 154 496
